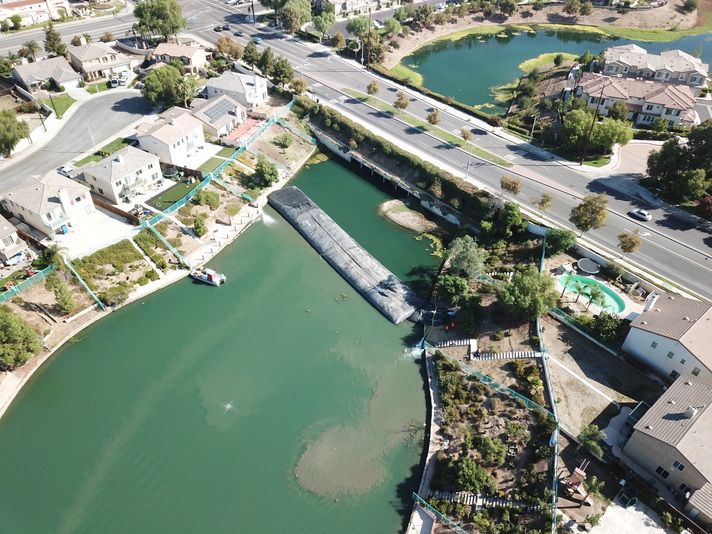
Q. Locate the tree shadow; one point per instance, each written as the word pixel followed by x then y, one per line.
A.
pixel 135 105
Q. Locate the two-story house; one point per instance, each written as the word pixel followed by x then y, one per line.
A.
pixel 193 58
pixel 50 203
pixel 10 243
pixel 173 137
pixel 348 6
pixel 646 101
pixel 671 66
pixel 35 11
pixel 249 90
pixel 98 60
pixel 219 115
pixel 672 336
pixel 670 442
pixel 122 175
pixel 54 70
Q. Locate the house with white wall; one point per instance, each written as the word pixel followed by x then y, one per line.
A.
pixel 50 203
pixel 10 242
pixel 98 60
pixel 673 336
pixel 646 101
pixel 193 58
pixel 173 137
pixel 122 175
pixel 670 66
pixel 249 90
pixel 53 70
pixel 35 11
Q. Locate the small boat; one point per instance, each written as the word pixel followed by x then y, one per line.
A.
pixel 208 276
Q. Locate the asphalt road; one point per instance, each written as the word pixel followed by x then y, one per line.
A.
pixel 672 247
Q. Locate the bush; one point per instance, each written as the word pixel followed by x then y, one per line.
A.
pixel 613 270
pixel 142 280
pixel 203 197
pixel 534 341
pixel 199 226
pixel 152 275
pixel 115 295
pixel 160 261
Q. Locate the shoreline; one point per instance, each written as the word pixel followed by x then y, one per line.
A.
pixel 12 382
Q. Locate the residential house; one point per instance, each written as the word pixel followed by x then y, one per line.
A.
pixel 10 243
pixel 670 442
pixel 249 90
pixel 672 336
pixel 671 66
pixel 53 70
pixel 646 101
pixel 219 115
pixel 174 137
pixel 193 58
pixel 346 6
pixel 98 60
pixel 35 11
pixel 50 203
pixel 122 175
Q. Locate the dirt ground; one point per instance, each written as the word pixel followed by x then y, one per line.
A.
pixel 288 157
pixel 399 213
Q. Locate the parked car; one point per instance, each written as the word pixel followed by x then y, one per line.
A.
pixel 66 170
pixel 226 27
pixel 257 40
pixel 641 215
pixel 217 29
pixel 239 33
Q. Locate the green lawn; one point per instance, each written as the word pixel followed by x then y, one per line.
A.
pixel 425 126
pixel 210 165
pixel 591 161
pixel 61 104
pixel 226 152
pixel 95 88
pixel 174 194
pixel 116 145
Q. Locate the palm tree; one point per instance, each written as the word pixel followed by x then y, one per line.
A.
pixel 590 436
pixel 32 47
pixel 13 57
pixel 87 38
pixel 187 88
pixel 579 288
pixel 54 255
pixel 593 486
pixel 595 296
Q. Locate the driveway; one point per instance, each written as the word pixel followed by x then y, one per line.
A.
pixel 633 157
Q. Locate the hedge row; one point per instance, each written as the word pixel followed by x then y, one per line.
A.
pixel 442 185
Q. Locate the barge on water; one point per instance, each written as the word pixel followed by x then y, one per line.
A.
pixel 377 284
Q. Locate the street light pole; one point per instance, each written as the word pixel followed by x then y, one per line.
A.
pixel 531 134
pixel 93 144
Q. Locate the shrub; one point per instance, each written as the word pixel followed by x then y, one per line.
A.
pixel 199 226
pixel 613 270
pixel 534 341
pixel 160 261
pixel 152 275
pixel 115 294
pixel 209 198
pixel 142 280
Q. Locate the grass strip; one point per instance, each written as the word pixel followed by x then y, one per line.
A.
pixel 226 152
pixel 61 104
pixel 210 165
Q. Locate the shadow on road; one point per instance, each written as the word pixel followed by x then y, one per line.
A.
pixel 136 105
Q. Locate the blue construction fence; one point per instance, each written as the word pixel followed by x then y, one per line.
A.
pixel 25 284
pixel 442 518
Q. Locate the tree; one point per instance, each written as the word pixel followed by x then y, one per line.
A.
pixel 65 300
pixel 693 184
pixel 589 438
pixel 586 9
pixel 282 73
pixel 161 85
pixel 511 185
pixel 593 486
pixel 618 111
pixel 285 140
pixel 591 213
pixel 558 241
pixel 469 475
pixel 199 226
pixel 298 86
pixel 575 129
pixel 465 257
pixel 690 5
pixel 630 242
pixel 53 255
pixel 162 17
pixel 493 450
pixel 510 220
pixel 402 101
pixel 466 134
pixel 53 44
pixel 186 89
pixel 32 48
pixel 18 341
pixel 373 87
pixel 107 37
pixel 277 5
pixel 660 125
pixel 451 286
pixel 392 27
pixel 266 62
pixel 76 41
pixel 572 7
pixel 88 38
pixel 544 202
pixel 358 26
pixel 375 48
pixel 326 20
pixel 11 131
pixel 229 48
pixel 266 171
pixel 433 117
pixel 608 133
pixel 16 21
pixel 508 7
pixel 595 296
pixel 607 327
pixel 295 14
pixel 251 55
pixel 529 294
pixel 338 41
pixel 704 208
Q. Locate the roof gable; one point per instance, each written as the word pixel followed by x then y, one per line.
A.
pixel 39 194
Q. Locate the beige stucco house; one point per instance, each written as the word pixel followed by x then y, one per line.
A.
pixel 98 60
pixel 173 137
pixel 10 243
pixel 193 58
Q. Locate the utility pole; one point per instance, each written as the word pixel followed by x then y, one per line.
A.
pixel 593 123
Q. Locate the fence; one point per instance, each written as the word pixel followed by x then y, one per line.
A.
pixel 25 284
pixel 444 520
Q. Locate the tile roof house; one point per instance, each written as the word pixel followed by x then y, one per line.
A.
pixel 347 6
pixel 55 69
pixel 671 442
pixel 219 115
pixel 10 243
pixel 672 336
pixel 193 57
pixel 173 137
pixel 646 100
pixel 98 60
pixel 122 175
pixel 249 90
pixel 50 203
pixel 671 66
pixel 35 11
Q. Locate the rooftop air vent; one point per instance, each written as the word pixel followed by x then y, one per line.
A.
pixel 690 412
pixel 671 402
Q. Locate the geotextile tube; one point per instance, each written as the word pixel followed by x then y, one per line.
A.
pixel 365 273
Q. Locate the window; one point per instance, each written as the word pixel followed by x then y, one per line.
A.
pixel 674 375
pixel 670 354
pixel 677 465
pixel 696 371
pixel 101 191
pixel 7 241
pixel 682 76
pixel 649 107
pixel 594 100
pixel 660 471
pixel 682 362
pixel 654 344
pixel 685 489
pixel 49 216
pixel 78 199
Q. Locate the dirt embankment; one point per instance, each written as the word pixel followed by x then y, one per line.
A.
pixel 399 213
pixel 667 17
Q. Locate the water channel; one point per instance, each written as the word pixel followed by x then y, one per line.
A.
pixel 279 402
pixel 463 69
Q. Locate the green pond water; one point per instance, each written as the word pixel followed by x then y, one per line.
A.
pixel 232 409
pixel 466 69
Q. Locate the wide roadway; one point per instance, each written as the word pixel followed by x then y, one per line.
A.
pixel 673 248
